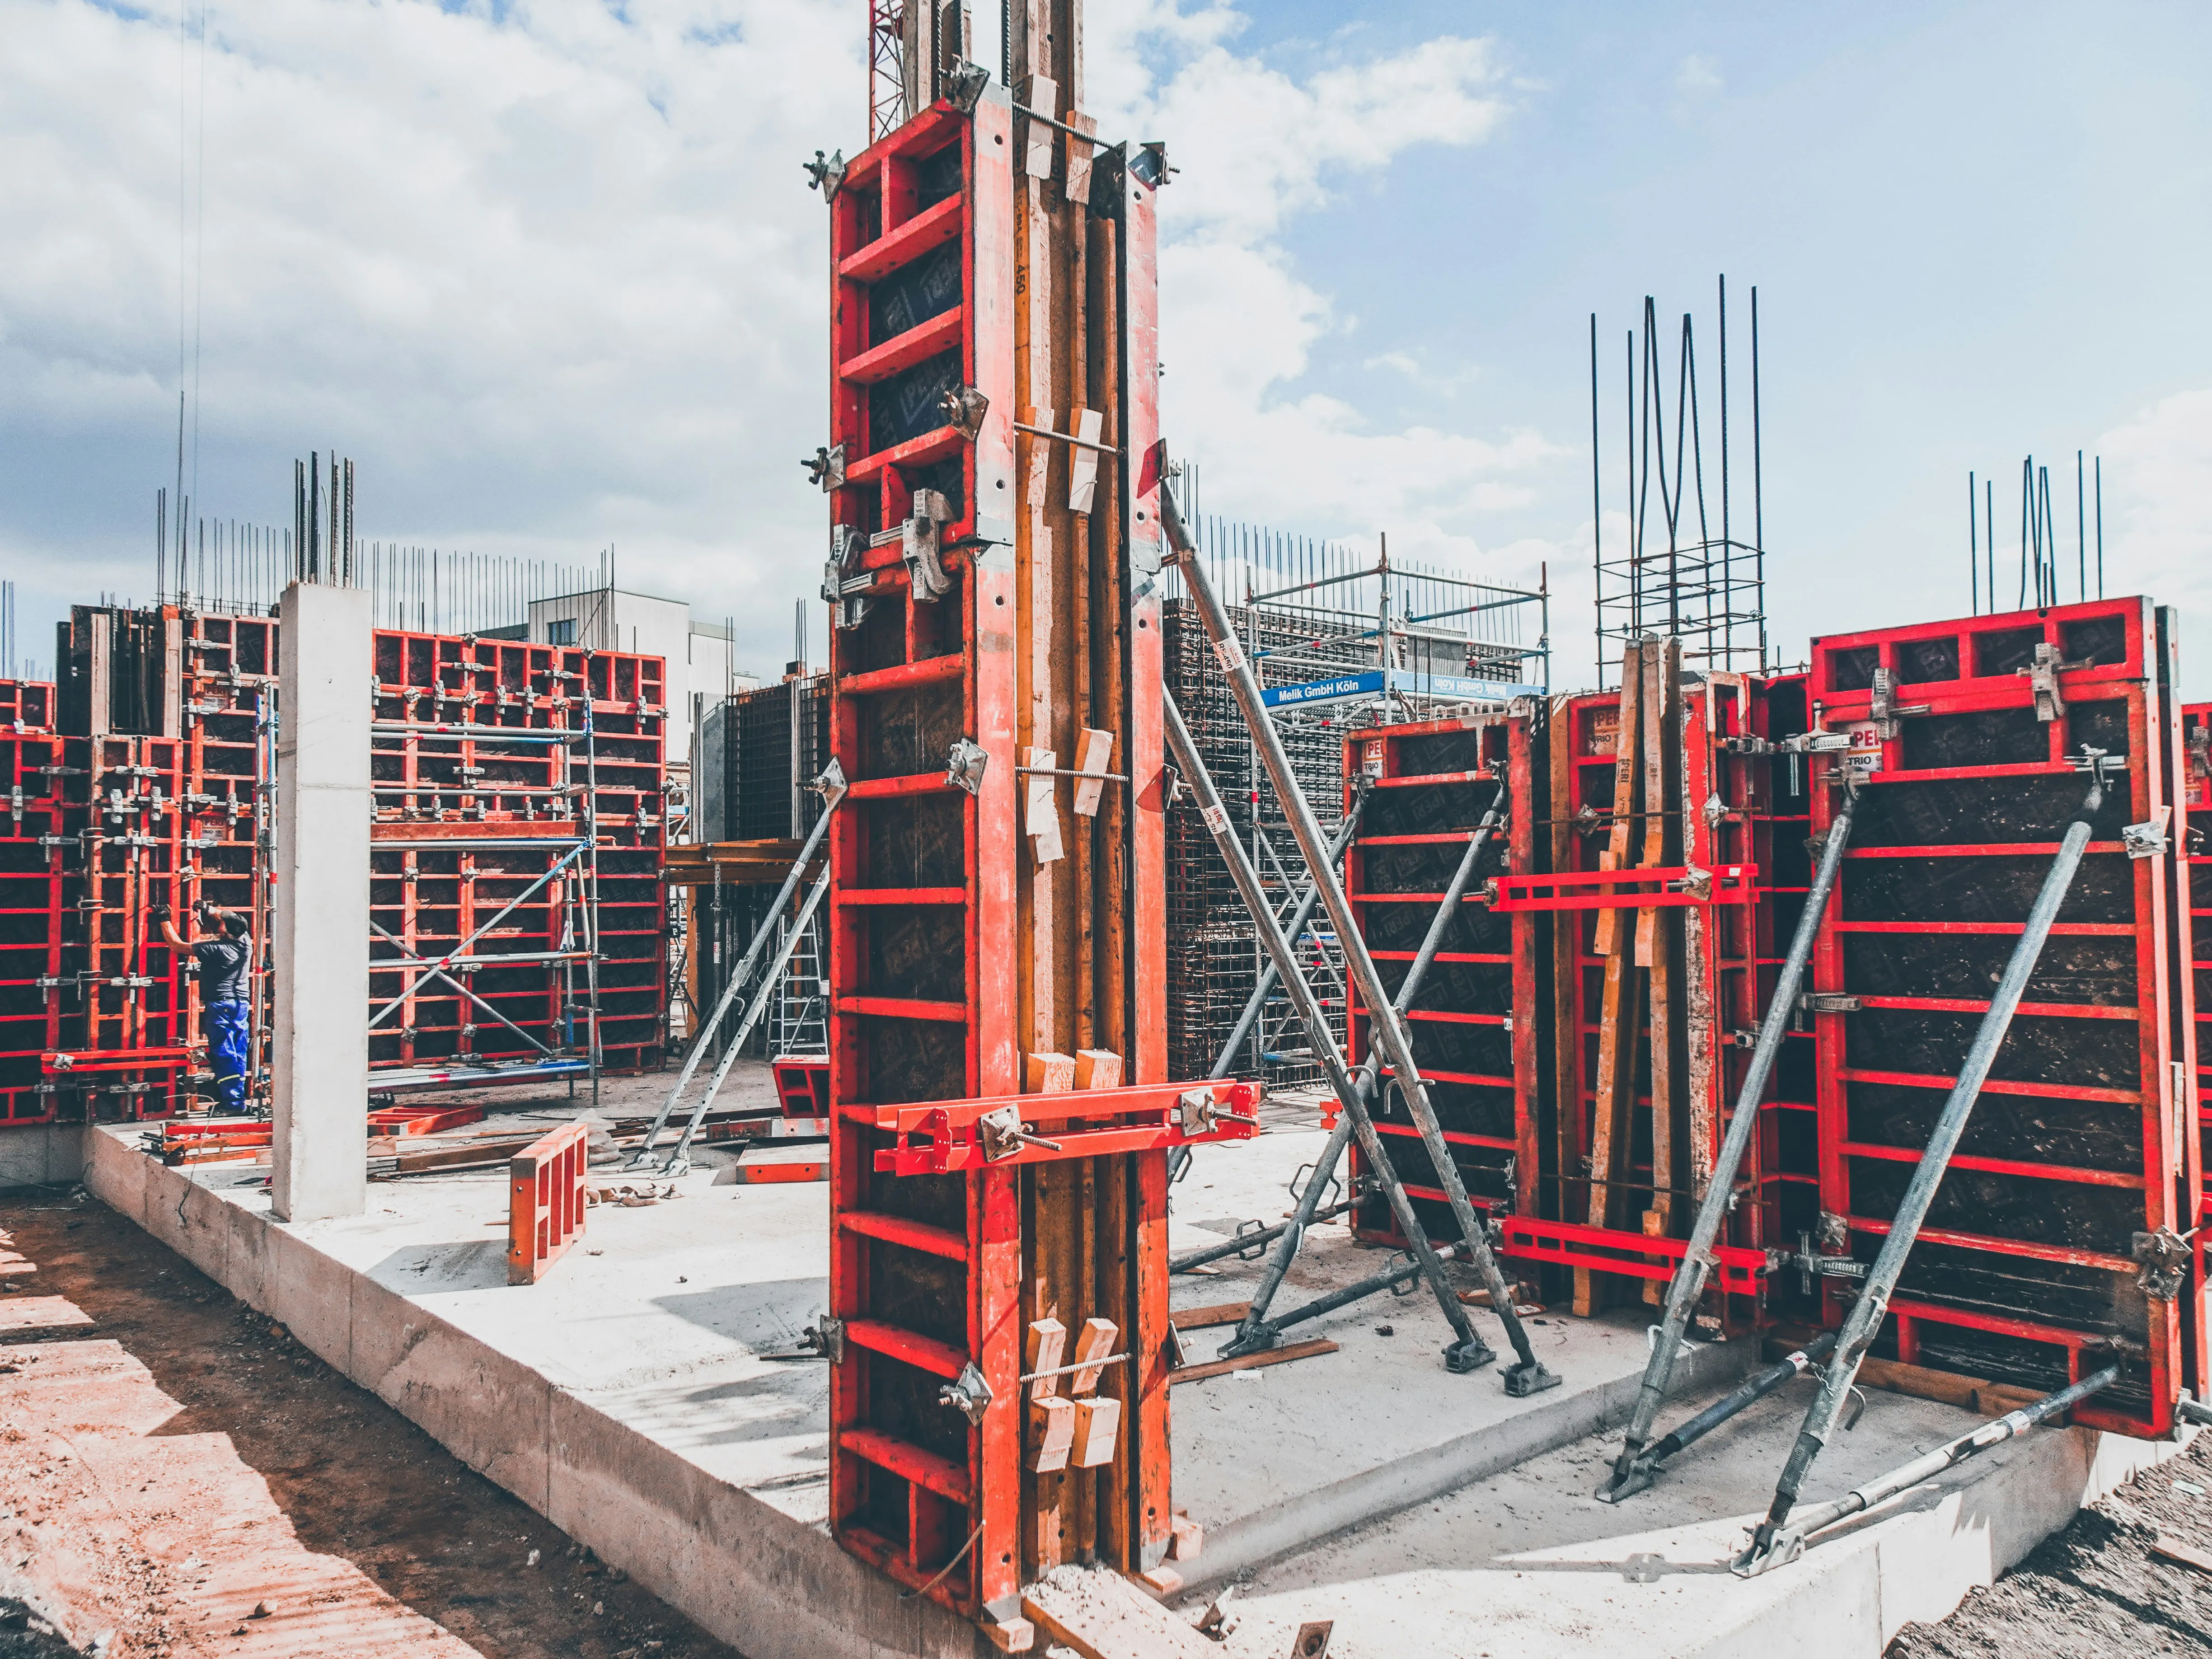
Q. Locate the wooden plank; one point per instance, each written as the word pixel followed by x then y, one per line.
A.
pixel 1218 1313
pixel 1618 1002
pixel 1247 1362
pixel 1625 777
pixel 1102 1615
pixel 1564 739
pixel 2187 1554
pixel 1656 931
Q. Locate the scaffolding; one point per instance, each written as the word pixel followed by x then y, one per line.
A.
pixel 1340 639
pixel 1708 589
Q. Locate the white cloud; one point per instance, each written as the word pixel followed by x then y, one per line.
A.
pixel 2158 478
pixel 550 273
pixel 1698 77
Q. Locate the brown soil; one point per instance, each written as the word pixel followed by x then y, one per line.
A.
pixel 2099 1590
pixel 170 1461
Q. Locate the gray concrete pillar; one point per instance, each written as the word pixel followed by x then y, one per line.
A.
pixel 320 928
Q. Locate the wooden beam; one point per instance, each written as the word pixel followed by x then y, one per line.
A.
pixel 1247 1362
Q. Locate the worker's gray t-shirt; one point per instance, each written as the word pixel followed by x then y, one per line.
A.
pixel 222 969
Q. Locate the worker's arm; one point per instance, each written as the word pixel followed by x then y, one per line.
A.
pixel 169 929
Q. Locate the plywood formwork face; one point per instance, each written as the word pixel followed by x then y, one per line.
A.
pixel 1474 1022
pixel 2026 1271
pixel 959 949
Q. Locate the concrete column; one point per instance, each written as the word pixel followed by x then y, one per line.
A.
pixel 321 924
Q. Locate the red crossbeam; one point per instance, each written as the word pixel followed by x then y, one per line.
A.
pixel 1084 1122
pixel 1659 887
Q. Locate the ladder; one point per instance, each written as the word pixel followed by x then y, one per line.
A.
pixel 796 1022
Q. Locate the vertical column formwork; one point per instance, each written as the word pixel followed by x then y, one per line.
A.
pixel 2040 1260
pixel 31 875
pixel 1474 1022
pixel 986 620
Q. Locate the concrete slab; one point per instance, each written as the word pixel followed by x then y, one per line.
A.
pixel 41 1155
pixel 627 1398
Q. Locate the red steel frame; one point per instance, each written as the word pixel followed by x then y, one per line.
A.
pixel 2195 831
pixel 163 806
pixel 2121 701
pixel 30 898
pixel 466 818
pixel 926 1268
pixel 1733 952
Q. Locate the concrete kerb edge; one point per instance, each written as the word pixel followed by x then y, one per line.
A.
pixel 1375 1494
pixel 587 1473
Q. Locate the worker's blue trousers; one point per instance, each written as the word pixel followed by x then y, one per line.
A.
pixel 228 1026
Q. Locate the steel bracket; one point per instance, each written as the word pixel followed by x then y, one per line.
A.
pixel 2043 680
pixel 2163 1259
pixel 1829 1002
pixel 964 765
pixel 826 174
pixel 2148 840
pixel 918 544
pixel 969 1393
pixel 964 407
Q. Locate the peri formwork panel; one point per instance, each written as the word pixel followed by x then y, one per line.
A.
pixel 30 898
pixel 520 814
pixel 1966 736
pixel 961 949
pixel 1474 1023
pixel 1733 823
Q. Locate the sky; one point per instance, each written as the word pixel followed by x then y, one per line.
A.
pixel 549 271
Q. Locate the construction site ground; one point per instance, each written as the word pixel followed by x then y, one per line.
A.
pixel 179 1471
pixel 630 1398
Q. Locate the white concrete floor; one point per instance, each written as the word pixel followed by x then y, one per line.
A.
pixel 1426 1512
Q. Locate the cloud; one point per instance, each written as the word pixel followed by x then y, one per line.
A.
pixel 549 270
pixel 2158 477
pixel 1698 77
pixel 1259 150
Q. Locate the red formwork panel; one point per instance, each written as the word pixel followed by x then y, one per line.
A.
pixel 922 872
pixel 1745 815
pixel 2196 896
pixel 929 900
pixel 510 779
pixel 1474 1022
pixel 30 898
pixel 165 722
pixel 2027 1269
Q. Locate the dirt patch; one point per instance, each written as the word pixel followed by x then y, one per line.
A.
pixel 181 1461
pixel 2099 1590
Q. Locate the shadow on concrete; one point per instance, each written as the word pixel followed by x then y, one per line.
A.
pixel 442 1269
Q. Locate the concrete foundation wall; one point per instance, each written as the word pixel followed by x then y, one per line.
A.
pixel 42 1155
pixel 750 1575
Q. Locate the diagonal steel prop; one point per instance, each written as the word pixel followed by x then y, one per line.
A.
pixel 1468 1352
pixel 830 786
pixel 677 1163
pixel 1225 1061
pixel 461 949
pixel 1257 1332
pixel 1390 1031
pixel 1929 1464
pixel 1307 901
pixel 1770 1546
pixel 1637 1465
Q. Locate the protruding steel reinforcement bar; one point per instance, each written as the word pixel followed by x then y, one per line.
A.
pixel 1769 1547
pixel 1633 1470
pixel 1528 1374
pixel 830 786
pixel 1468 1351
pixel 1258 1332
pixel 1789 1545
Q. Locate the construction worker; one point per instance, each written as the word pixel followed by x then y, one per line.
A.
pixel 225 958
